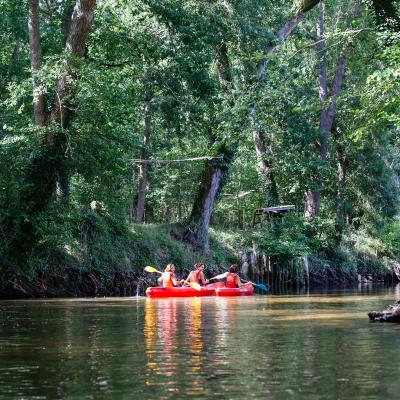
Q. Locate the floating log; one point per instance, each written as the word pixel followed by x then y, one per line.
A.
pixel 389 314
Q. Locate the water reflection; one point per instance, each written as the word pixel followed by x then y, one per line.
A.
pixel 174 327
pixel 161 322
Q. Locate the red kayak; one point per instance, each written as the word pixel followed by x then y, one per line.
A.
pixel 245 290
pixel 186 291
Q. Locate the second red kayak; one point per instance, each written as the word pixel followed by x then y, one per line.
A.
pixel 245 290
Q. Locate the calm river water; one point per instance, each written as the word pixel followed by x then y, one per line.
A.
pixel 316 346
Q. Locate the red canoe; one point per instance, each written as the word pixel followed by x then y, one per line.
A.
pixel 186 291
pixel 245 290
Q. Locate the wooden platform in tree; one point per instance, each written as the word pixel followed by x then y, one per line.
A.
pixel 264 213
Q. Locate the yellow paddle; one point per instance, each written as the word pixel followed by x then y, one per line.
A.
pixel 152 269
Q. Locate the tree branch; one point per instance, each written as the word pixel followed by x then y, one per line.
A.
pixel 284 32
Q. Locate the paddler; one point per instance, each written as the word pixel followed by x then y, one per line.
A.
pixel 168 277
pixel 232 279
pixel 196 275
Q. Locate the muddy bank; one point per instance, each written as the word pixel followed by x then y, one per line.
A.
pixel 307 271
pixel 119 271
pixel 73 283
pixel 78 283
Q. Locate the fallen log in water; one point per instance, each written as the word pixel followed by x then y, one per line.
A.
pixel 389 314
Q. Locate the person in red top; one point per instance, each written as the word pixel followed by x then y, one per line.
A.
pixel 168 277
pixel 196 275
pixel 232 277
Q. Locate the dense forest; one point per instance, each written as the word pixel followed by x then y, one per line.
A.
pixel 140 132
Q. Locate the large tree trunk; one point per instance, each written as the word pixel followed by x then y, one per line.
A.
pixel 81 22
pixel 48 173
pixel 197 234
pixel 143 169
pixel 264 165
pixel 342 165
pixel 222 63
pixel 312 196
pixel 312 203
pixel 262 148
pixel 213 173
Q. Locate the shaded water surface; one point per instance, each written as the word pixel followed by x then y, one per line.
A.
pixel 318 346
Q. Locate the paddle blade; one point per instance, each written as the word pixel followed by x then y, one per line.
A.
pixel 221 276
pixel 195 285
pixel 150 269
pixel 261 286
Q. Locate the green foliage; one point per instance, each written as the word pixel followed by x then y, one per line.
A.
pixel 391 238
pixel 164 53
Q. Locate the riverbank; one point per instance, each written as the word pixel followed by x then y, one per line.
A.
pixel 109 261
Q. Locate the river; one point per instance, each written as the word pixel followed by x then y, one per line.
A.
pixel 312 346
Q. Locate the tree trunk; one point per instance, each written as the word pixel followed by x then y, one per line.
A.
pixel 213 174
pixel 342 170
pixel 81 22
pixel 397 185
pixel 48 171
pixel 264 150
pixel 197 234
pixel 265 167
pixel 166 214
pixel 222 63
pixel 342 164
pixel 39 107
pixel 143 169
pixel 312 203
pixel 312 196
pixel 66 19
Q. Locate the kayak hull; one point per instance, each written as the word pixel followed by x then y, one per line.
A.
pixel 245 290
pixel 187 291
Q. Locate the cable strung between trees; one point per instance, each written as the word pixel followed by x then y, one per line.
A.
pixel 140 161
